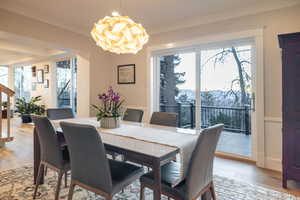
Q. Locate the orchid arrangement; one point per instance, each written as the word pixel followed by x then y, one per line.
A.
pixel 110 105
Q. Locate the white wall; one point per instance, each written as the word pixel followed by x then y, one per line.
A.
pixel 273 22
pixel 83 83
pixel 48 94
pixel 96 64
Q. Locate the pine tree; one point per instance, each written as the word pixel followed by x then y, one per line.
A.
pixel 169 79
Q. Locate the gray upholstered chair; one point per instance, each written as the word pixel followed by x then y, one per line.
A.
pixel 90 167
pixel 199 179
pixel 133 115
pixel 164 119
pixel 59 113
pixel 56 114
pixel 52 154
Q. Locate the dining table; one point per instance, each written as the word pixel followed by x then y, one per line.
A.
pixel 147 153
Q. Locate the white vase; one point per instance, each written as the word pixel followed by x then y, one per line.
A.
pixel 110 122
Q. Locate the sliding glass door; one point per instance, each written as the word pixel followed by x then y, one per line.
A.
pixel 177 87
pixel 66 71
pixel 226 95
pixel 208 85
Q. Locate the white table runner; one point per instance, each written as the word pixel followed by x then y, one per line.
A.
pixel 162 135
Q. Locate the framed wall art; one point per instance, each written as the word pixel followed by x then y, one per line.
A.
pixel 46 69
pixel 40 76
pixel 126 74
pixel 33 70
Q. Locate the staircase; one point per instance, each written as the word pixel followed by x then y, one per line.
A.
pixel 5 137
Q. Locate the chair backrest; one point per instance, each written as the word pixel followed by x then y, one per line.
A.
pixel 200 172
pixel 164 119
pixel 133 115
pixel 50 147
pixel 89 164
pixel 60 113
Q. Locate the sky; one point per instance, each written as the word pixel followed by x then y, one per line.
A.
pixel 212 78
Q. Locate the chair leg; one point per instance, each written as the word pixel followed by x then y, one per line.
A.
pixel 38 180
pixel 142 192
pixel 66 179
pixel 213 192
pixel 71 191
pixel 60 175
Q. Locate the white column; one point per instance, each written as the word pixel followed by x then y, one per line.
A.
pixel 11 80
pixel 53 85
pixel 83 86
pixel 11 77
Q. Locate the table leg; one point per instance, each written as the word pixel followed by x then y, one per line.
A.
pixel 37 158
pixel 157 180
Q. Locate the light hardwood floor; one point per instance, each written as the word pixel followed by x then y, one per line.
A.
pixel 20 152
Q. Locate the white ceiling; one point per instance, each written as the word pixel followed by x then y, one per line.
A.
pixel 15 49
pixel 155 15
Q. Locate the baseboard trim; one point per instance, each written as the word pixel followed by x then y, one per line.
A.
pixel 234 157
pixel 273 164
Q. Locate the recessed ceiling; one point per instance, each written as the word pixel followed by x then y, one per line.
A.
pixel 15 49
pixel 155 15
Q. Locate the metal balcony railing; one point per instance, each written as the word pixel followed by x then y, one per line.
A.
pixel 235 119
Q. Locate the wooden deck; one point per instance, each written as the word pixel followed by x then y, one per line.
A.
pixel 235 143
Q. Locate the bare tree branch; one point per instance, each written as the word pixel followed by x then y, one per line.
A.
pixel 245 61
pixel 213 57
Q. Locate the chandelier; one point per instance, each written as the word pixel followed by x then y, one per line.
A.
pixel 119 34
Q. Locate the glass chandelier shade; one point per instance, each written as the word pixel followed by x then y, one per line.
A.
pixel 119 34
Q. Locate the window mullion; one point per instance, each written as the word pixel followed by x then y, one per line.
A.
pixel 198 90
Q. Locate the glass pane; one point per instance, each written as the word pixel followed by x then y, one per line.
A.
pixel 4 75
pixel 177 87
pixel 66 83
pixel 64 72
pixel 23 82
pixel 226 96
pixel 4 79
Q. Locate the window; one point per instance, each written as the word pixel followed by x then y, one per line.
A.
pixel 23 82
pixel 208 85
pixel 66 72
pixel 177 87
pixel 4 78
pixel 4 75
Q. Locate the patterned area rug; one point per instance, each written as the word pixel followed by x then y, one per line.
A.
pixel 17 185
